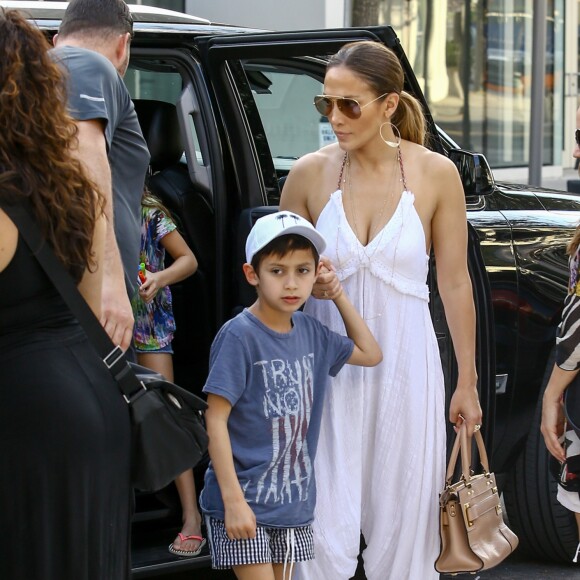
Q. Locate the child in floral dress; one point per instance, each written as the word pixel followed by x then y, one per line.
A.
pixel 154 329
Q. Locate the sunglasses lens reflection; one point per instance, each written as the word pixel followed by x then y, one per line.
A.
pixel 349 107
pixel 323 105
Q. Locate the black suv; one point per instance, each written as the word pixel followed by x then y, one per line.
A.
pixel 225 112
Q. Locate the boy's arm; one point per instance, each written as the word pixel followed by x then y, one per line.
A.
pixel 366 352
pixel 240 521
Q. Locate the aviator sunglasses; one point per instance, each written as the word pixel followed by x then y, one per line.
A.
pixel 350 108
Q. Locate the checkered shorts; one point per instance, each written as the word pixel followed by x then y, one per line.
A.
pixel 271 545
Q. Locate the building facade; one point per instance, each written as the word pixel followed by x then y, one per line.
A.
pixel 473 59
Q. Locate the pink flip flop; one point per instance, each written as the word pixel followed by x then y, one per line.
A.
pixel 188 553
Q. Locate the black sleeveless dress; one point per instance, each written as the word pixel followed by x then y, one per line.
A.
pixel 65 495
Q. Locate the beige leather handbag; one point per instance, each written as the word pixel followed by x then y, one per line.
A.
pixel 474 536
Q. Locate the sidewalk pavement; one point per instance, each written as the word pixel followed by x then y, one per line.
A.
pixel 569 181
pixel 558 181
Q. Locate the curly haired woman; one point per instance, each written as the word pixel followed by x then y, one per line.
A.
pixel 64 428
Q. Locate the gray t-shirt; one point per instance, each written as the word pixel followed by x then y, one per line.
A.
pixel 276 385
pixel 97 91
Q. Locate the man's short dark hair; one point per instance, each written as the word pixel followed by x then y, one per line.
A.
pixel 96 16
pixel 283 245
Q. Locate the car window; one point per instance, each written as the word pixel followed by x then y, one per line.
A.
pixel 149 79
pixel 284 98
pixel 153 84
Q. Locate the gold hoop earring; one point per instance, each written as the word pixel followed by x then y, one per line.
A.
pixel 396 132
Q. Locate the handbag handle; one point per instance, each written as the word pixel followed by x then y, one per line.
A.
pixel 461 444
pixel 113 356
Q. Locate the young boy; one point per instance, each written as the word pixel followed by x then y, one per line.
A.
pixel 268 375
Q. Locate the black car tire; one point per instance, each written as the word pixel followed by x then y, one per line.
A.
pixel 545 528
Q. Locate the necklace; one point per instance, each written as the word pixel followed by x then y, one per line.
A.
pixel 373 231
pixel 345 179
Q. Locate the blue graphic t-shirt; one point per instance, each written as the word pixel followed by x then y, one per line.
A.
pixel 276 385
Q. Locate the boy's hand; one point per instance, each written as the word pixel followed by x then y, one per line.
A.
pixel 240 521
pixel 148 290
pixel 327 285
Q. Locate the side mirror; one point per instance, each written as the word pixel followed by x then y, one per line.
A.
pixel 474 172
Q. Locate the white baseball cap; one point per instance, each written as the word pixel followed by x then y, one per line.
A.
pixel 278 224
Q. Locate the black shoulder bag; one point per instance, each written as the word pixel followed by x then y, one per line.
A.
pixel 168 433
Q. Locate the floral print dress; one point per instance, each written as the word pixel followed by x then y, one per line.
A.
pixel 154 322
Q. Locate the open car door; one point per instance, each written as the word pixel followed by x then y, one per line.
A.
pixel 263 85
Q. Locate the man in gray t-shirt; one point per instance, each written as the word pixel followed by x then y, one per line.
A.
pixel 93 48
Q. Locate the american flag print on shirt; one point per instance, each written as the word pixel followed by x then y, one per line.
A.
pixel 287 402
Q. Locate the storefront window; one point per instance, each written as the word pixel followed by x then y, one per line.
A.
pixel 473 59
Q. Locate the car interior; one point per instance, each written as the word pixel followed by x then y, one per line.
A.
pixel 157 86
pixel 168 180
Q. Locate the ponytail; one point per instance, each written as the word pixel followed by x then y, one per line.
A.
pixel 409 119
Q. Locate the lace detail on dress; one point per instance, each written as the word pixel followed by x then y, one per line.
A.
pixel 399 258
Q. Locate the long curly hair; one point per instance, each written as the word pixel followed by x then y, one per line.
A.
pixel 36 139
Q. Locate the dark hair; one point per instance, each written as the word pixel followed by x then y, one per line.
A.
pixel 96 16
pixel 380 68
pixel 283 245
pixel 36 139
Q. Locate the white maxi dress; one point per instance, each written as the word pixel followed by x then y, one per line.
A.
pixel 380 463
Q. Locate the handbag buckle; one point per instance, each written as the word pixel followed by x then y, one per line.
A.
pixel 136 394
pixel 113 357
pixel 446 495
pixel 466 506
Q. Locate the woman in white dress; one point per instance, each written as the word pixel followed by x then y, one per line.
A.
pixel 382 200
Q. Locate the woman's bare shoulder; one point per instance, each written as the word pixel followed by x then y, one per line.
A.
pixel 433 179
pixel 429 167
pixel 311 180
pixel 436 164
pixel 317 161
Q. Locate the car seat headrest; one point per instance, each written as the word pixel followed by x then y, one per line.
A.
pixel 160 128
